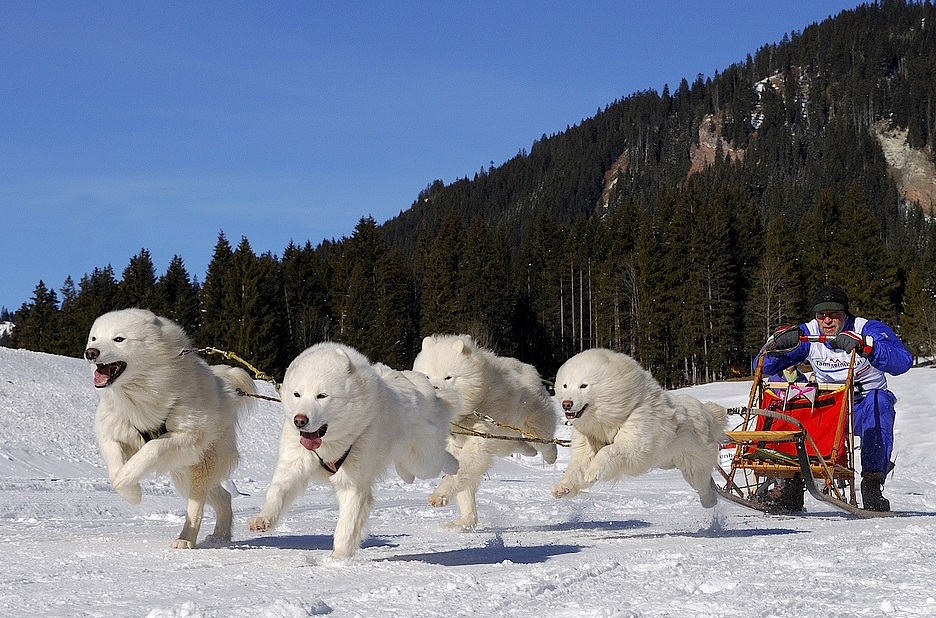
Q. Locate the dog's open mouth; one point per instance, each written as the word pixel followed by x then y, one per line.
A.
pixel 311 440
pixel 105 375
pixel 571 416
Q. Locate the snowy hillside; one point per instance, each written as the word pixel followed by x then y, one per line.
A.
pixel 643 547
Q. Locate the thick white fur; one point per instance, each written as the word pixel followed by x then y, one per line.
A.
pixel 383 416
pixel 475 379
pixel 626 424
pixel 197 403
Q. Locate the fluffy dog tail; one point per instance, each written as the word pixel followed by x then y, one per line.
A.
pixel 718 416
pixel 239 381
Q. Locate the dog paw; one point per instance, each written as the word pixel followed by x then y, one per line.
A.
pixel 259 524
pixel 708 500
pixel 342 556
pixel 132 493
pixel 182 544
pixel 438 500
pixel 126 486
pixel 217 540
pixel 462 525
pixel 562 490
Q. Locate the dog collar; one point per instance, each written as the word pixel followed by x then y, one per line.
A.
pixel 332 466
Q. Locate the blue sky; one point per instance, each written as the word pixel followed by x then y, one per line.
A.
pixel 159 124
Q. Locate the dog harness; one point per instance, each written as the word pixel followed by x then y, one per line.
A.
pixel 332 466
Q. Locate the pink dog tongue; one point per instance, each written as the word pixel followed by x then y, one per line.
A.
pixel 100 379
pixel 310 441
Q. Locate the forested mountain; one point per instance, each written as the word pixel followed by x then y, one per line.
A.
pixel 679 227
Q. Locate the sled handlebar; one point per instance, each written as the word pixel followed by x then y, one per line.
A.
pixel 816 338
pixel 771 344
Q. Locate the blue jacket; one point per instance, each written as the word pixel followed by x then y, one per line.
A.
pixel 888 355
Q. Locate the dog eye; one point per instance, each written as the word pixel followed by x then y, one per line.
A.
pixel 321 396
pixel 118 339
pixel 296 394
pixel 447 378
pixel 93 338
pixel 583 385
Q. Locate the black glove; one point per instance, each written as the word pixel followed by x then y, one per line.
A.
pixel 787 337
pixel 849 340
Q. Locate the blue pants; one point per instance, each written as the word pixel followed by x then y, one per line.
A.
pixel 874 424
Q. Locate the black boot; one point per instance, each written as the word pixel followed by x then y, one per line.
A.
pixel 872 484
pixel 788 498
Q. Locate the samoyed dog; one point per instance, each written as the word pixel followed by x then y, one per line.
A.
pixel 624 423
pixel 162 411
pixel 346 422
pixel 511 392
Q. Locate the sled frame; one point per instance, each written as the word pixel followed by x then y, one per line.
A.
pixel 762 454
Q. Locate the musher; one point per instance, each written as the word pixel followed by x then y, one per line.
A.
pixel 879 351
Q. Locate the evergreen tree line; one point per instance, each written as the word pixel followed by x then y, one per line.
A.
pixel 691 289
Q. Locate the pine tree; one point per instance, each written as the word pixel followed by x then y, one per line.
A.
pixel 621 272
pixel 485 298
pixel 137 288
pixel 306 299
pixel 918 319
pixel 873 285
pixel 215 328
pixel 824 253
pixel 717 274
pixel 498 313
pixel 394 333
pixel 652 349
pixel 472 287
pixel 440 311
pixel 356 289
pixel 243 306
pixel 97 294
pixel 73 329
pixel 775 299
pixel 176 297
pixel 270 325
pixel 37 322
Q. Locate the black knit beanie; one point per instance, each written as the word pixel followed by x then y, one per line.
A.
pixel 830 298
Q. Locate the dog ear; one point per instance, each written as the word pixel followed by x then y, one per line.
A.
pixel 344 355
pixel 428 341
pixel 172 331
pixel 461 347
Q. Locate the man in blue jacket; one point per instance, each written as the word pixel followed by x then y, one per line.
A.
pixel 879 351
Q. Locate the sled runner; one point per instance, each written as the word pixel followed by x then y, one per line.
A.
pixel 793 434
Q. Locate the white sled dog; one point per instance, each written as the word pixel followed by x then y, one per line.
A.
pixel 162 411
pixel 509 391
pixel 346 422
pixel 626 424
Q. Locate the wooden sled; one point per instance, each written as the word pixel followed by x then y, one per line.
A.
pixel 793 430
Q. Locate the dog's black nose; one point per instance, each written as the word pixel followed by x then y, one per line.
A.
pixel 566 405
pixel 300 421
pixel 92 353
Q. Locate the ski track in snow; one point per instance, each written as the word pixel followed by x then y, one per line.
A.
pixel 641 547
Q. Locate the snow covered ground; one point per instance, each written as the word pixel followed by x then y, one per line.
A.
pixel 69 546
